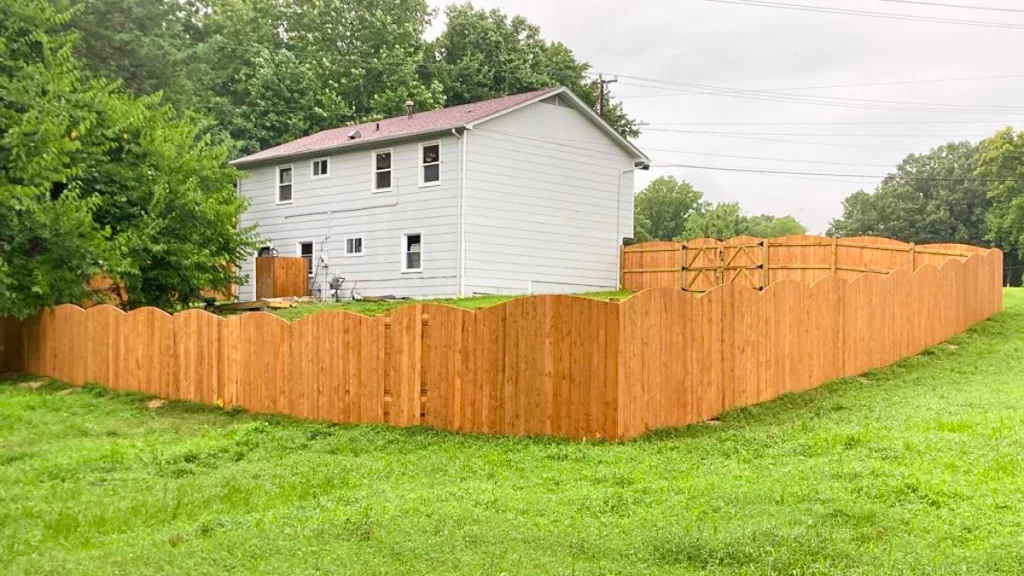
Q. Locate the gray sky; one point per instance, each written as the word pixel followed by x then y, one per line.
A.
pixel 759 48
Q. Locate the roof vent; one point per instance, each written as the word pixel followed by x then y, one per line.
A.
pixel 354 134
pixel 378 127
pixel 409 104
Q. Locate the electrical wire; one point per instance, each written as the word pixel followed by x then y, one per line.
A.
pixel 869 84
pixel 895 176
pixel 870 14
pixel 961 6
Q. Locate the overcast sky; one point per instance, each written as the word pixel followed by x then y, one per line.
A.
pixel 758 48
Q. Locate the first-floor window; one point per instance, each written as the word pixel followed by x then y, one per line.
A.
pixel 306 252
pixel 353 246
pixel 412 252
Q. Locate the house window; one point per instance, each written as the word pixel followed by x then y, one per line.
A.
pixel 284 184
pixel 353 246
pixel 430 164
pixel 381 170
pixel 306 252
pixel 412 252
pixel 320 167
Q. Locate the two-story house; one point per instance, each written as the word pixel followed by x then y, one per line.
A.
pixel 531 193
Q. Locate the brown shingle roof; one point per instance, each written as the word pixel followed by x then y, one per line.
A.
pixel 391 128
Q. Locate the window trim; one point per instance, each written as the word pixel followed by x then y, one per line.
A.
pixel 277 184
pixel 422 165
pixel 402 252
pixel 359 254
pixel 312 165
pixel 312 256
pixel 373 170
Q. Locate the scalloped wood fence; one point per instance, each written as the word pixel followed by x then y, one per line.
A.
pixel 541 365
pixel 700 265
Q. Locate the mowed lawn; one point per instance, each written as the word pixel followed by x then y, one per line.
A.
pixel 917 469
pixel 375 308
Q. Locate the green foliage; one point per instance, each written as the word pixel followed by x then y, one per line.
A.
pixel 952 209
pixel 670 209
pixel 95 181
pixel 914 469
pixel 662 209
pixel 1002 159
pixel 484 54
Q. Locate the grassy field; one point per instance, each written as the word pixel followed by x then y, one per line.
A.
pixel 376 308
pixel 916 469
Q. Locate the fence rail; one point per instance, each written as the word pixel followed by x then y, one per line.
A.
pixel 541 365
pixel 702 264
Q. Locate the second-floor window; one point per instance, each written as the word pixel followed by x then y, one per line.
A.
pixel 284 184
pixel 381 170
pixel 430 164
pixel 320 167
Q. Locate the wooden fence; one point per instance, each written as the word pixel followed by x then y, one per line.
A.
pixel 279 277
pixel 702 264
pixel 541 365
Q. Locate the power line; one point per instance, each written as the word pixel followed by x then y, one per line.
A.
pixel 868 84
pixel 785 141
pixel 869 123
pixel 803 134
pixel 870 14
pixel 963 6
pixel 830 174
pixel 765 158
pixel 774 96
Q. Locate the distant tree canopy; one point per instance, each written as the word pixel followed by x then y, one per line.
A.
pixel 268 71
pixel 670 209
pixel 932 197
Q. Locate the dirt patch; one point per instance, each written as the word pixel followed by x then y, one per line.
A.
pixel 32 384
pixel 154 404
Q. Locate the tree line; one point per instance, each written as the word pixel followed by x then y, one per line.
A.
pixel 671 209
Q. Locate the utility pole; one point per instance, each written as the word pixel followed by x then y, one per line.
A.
pixel 603 94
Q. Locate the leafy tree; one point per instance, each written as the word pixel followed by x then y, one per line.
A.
pixel 485 54
pixel 662 209
pixel 931 197
pixel 1002 160
pixel 147 44
pixel 95 181
pixel 768 226
pixel 722 221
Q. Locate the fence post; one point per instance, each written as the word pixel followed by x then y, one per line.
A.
pixel 835 255
pixel 765 272
pixel 913 257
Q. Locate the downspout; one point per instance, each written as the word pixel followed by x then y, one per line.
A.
pixel 462 210
pixel 618 227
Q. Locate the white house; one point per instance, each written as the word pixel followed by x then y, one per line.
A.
pixel 523 194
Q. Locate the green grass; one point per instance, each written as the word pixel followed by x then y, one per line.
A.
pixel 916 469
pixel 376 308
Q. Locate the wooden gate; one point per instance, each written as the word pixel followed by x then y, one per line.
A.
pixel 708 263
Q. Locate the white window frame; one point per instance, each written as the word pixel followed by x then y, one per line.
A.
pixel 373 170
pixel 312 256
pixel 422 165
pixel 405 239
pixel 359 254
pixel 277 184
pixel 312 168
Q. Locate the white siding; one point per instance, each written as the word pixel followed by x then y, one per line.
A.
pixel 548 199
pixel 342 205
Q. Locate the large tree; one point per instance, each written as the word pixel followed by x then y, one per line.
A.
pixel 1001 166
pixel 93 181
pixel 662 209
pixel 484 54
pixel 931 197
